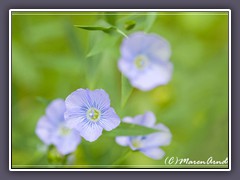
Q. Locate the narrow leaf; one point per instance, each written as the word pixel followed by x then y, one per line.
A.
pixel 127 129
pixel 95 28
pixel 108 30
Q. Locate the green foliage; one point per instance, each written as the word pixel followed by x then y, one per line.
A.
pixel 129 25
pixel 126 90
pixel 127 129
pixel 107 30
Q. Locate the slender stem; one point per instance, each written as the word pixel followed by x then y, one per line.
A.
pixel 126 91
pixel 122 157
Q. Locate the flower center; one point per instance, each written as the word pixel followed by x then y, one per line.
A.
pixel 64 131
pixel 141 61
pixel 136 143
pixel 93 114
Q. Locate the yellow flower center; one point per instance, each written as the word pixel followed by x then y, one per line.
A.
pixel 136 143
pixel 93 114
pixel 141 61
pixel 64 131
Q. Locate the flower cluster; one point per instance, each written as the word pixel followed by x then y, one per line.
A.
pixel 85 113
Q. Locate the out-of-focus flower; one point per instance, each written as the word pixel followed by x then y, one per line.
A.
pixel 149 144
pixel 89 112
pixel 51 129
pixel 145 60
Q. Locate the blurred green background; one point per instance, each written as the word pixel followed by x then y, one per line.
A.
pixel 49 61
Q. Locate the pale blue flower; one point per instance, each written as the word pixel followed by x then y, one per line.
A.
pixel 51 129
pixel 148 144
pixel 145 60
pixel 89 112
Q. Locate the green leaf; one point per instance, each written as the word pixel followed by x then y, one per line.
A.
pixel 129 25
pixel 101 45
pixel 108 30
pixel 127 129
pixel 126 91
pixel 96 28
pixel 137 21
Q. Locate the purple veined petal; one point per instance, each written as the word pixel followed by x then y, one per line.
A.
pixel 133 45
pixel 109 119
pixel 99 99
pixel 55 110
pixel 67 144
pixel 89 130
pixel 78 99
pixel 45 130
pixel 158 48
pixel 74 116
pixel 157 74
pixel 123 140
pixel 148 119
pixel 154 153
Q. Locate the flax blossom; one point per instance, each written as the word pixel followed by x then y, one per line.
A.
pixel 148 144
pixel 51 129
pixel 145 60
pixel 89 112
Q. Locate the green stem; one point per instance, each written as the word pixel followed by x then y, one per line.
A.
pixel 126 90
pixel 122 157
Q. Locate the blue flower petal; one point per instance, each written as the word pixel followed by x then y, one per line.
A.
pixel 157 48
pixel 127 68
pixel 45 130
pixel 123 140
pixel 133 45
pixel 67 144
pixel 109 119
pixel 162 138
pixel 99 99
pixel 54 111
pixel 148 119
pixel 156 75
pixel 74 116
pixel 89 130
pixel 154 153
pixel 78 99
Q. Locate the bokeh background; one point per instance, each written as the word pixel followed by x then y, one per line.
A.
pixel 49 61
